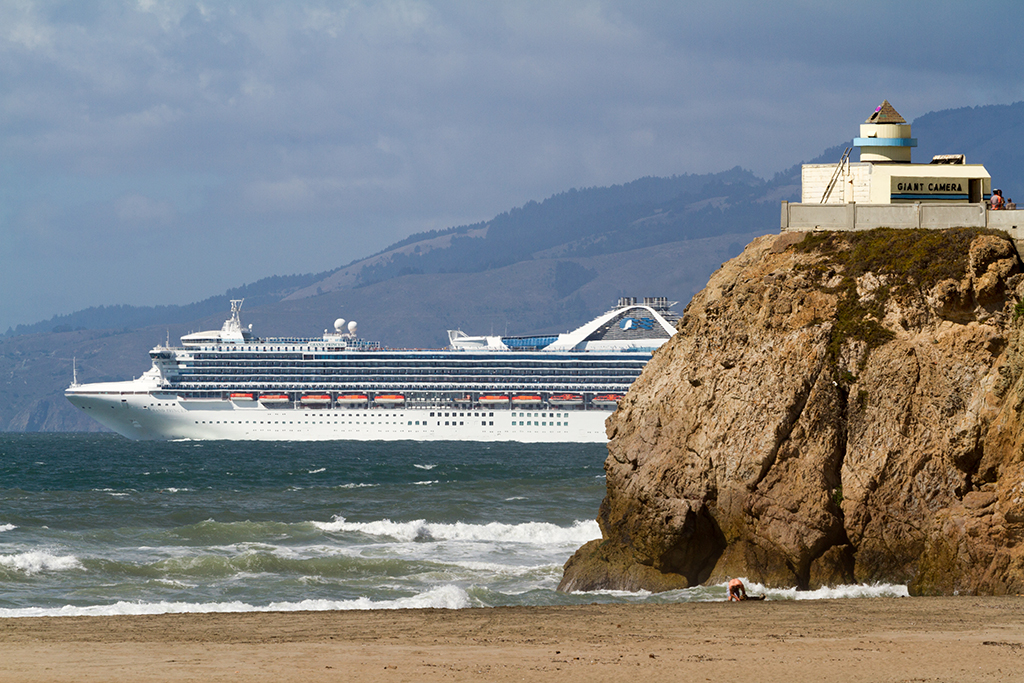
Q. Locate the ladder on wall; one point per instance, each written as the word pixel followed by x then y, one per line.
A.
pixel 835 175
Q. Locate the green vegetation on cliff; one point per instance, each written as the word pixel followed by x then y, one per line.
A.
pixel 909 263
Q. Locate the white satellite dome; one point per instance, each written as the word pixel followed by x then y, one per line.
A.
pixel 339 325
pixel 352 327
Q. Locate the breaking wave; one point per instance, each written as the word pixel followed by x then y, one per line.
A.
pixel 537 533
pixel 36 561
pixel 443 597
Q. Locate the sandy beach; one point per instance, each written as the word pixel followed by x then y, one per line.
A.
pixel 902 639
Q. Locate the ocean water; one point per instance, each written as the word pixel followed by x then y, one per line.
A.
pixel 97 524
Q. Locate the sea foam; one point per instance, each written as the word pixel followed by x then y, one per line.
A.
pixel 7 527
pixel 873 590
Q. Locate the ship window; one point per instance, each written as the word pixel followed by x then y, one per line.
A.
pixel 483 422
pixel 461 423
pixel 446 423
pixel 529 423
pixel 490 414
pixel 492 423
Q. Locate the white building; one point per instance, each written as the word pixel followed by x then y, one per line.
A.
pixel 885 189
pixel 886 175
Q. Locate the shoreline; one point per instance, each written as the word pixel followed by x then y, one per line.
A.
pixel 850 639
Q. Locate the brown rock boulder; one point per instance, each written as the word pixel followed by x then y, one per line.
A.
pixel 841 409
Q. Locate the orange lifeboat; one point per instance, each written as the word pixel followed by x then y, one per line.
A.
pixel 274 398
pixel 566 400
pixel 238 396
pixel 493 400
pixel 389 399
pixel 526 400
pixel 351 399
pixel 607 399
pixel 316 399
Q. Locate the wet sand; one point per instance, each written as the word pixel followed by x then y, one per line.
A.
pixel 899 639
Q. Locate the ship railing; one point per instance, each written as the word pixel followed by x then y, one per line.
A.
pixel 431 395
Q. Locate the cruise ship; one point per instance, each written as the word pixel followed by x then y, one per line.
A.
pixel 231 384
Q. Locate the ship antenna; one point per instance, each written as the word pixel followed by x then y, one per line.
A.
pixel 74 371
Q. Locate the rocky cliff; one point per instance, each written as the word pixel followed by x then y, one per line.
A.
pixel 836 408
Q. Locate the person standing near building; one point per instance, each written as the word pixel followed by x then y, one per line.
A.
pixel 996 202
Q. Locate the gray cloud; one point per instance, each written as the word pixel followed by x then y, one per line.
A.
pixel 159 152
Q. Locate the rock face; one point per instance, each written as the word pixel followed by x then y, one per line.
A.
pixel 838 408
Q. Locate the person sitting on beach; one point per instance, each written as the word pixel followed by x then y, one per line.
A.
pixel 736 591
pixel 996 201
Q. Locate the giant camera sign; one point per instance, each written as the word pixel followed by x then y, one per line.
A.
pixel 924 189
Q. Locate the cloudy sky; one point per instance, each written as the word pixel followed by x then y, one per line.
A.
pixel 161 151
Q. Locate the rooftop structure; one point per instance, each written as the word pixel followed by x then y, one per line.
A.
pixel 885 136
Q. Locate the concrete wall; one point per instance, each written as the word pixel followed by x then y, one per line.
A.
pixel 1010 221
pixel 850 217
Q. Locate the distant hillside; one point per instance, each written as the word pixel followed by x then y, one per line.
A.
pixel 581 223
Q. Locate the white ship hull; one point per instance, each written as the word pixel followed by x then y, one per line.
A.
pixel 143 414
